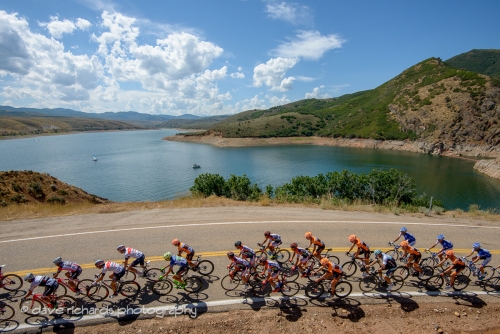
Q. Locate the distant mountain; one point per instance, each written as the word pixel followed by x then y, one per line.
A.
pixel 201 123
pixel 480 61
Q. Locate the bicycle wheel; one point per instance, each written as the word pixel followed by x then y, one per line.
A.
pixel 428 262
pixel 98 292
pixel 62 290
pixel 261 290
pixel 291 275
pixel 12 282
pixel 427 272
pixel 434 283
pixel 489 271
pixel 6 312
pixel 31 306
pixel 314 290
pixel 290 289
pixel 333 258
pixel 403 271
pixel 349 268
pixel 492 285
pixel 394 253
pixel 461 282
pixel 205 267
pixel 467 272
pixel 282 256
pixel 368 283
pixel 193 284
pixel 67 304
pixel 129 276
pixel 152 274
pixel 229 284
pixel 162 288
pixel 130 289
pixel 343 289
pixel 397 282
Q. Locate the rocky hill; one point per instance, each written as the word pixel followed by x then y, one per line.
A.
pixel 32 187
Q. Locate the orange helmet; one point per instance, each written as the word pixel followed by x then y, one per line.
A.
pixel 293 245
pixel 352 238
pixel 308 235
pixel 175 242
pixel 450 252
pixel 404 244
pixel 324 261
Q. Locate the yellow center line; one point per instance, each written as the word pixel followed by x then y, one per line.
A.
pixel 51 270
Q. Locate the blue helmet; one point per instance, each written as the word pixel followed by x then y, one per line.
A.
pixel 377 252
pixel 403 229
pixel 476 245
pixel 440 237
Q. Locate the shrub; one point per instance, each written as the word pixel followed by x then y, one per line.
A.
pixel 35 190
pixel 56 200
pixel 209 184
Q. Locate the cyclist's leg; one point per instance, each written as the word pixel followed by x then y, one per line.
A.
pixel 189 258
pixel 73 278
pixel 333 283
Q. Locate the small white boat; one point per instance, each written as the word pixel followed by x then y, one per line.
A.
pixel 94 158
pixel 196 166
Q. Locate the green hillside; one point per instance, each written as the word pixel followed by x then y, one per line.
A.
pixel 481 61
pixel 429 100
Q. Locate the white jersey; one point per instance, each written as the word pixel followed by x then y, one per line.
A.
pixel 112 266
pixel 131 252
pixel 41 281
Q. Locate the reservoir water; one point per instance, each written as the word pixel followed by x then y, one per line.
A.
pixel 140 166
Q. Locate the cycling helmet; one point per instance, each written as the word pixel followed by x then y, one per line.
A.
pixel 352 238
pixel 440 237
pixel 404 243
pixel 262 259
pixel 293 245
pixel 120 248
pixel 267 233
pixel 377 252
pixel 237 244
pixel 57 260
pixel 476 245
pixel 175 242
pixel 167 256
pixel 308 235
pixel 403 229
pixel 324 261
pixel 450 252
pixel 29 277
pixel 99 263
pixel 230 254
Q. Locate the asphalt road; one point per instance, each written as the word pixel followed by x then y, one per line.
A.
pixel 31 245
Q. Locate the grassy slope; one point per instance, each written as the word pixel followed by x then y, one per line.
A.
pixel 481 61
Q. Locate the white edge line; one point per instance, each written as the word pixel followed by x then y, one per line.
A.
pixel 236 223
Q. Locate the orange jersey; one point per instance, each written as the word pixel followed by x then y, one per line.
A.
pixel 361 244
pixel 317 242
pixel 412 251
pixel 331 268
pixel 182 247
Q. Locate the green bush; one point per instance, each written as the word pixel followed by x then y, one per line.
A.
pixel 209 184
pixel 35 190
pixel 56 200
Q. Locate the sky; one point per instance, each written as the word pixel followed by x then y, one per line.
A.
pixel 219 57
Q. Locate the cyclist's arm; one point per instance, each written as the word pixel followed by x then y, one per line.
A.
pixel 125 263
pixel 440 263
pixel 371 263
pixel 399 236
pixel 350 249
pixel 99 278
pixel 404 252
pixel 472 252
pixel 432 246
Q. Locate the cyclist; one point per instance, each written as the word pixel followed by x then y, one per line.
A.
pixel 274 240
pixel 445 244
pixel 247 254
pixel 182 247
pixel 273 270
pixel 482 254
pixel 239 264
pixel 117 272
pixel 403 232
pixel 332 271
pixel 318 247
pixel 414 258
pixel 139 257
pixel 49 283
pixel 385 262
pixel 73 270
pixel 363 249
pixel 457 266
pixel 176 260
pixel 303 255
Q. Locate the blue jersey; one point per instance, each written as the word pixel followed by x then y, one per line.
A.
pixel 409 237
pixel 483 253
pixel 177 260
pixel 446 244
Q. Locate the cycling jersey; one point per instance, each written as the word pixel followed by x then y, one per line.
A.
pixel 302 252
pixel 240 263
pixel 182 247
pixel 131 252
pixel 247 252
pixel 446 244
pixel 177 260
pixel 388 261
pixel 317 241
pixel 408 237
pixel 412 251
pixel 42 281
pixel 361 244
pixel 333 268
pixel 112 266
pixel 483 253
pixel 273 266
pixel 69 266
pixel 274 237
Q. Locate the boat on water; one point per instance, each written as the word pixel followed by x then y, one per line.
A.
pixel 196 166
pixel 94 158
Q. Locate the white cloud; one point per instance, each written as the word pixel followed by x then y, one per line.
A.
pixel 237 75
pixel 57 28
pixel 253 103
pixel 309 45
pixel 316 93
pixel 277 101
pixel 272 74
pixel 83 24
pixel 289 12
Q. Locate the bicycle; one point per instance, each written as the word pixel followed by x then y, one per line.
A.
pixel 231 282
pixel 10 282
pixel 405 271
pixel 350 267
pixel 261 289
pixel 471 268
pixel 203 267
pixel 329 256
pixel 493 283
pixel 163 285
pixel 34 304
pixel 395 253
pixel 64 286
pixel 7 312
pixel 436 282
pixel 280 255
pixel 432 261
pixel 315 290
pixel 100 290
pixel 374 281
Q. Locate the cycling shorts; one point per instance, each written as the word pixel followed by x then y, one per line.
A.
pixel 336 275
pixel 486 261
pixel 190 256
pixel 390 269
pixel 182 269
pixel 274 273
pixel 415 258
pixel 458 267
pixel 75 274
pixel 117 277
pixel 304 259
pixel 139 260
pixel 366 253
pixel 276 243
pixel 50 289
pixel 319 249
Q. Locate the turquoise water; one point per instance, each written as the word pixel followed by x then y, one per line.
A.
pixel 140 166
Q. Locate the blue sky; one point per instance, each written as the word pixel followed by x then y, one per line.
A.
pixel 222 57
